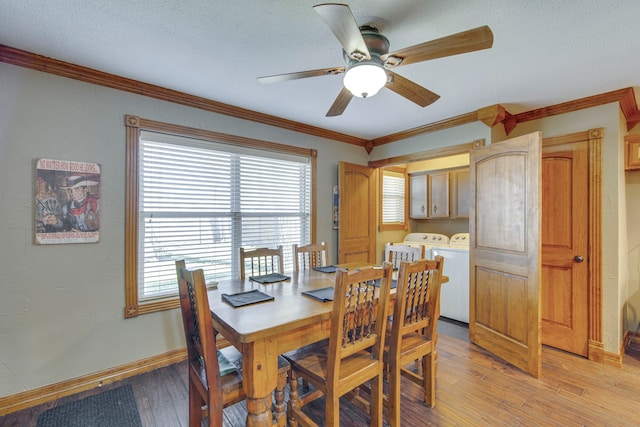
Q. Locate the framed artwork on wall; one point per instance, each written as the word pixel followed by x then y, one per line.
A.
pixel 67 202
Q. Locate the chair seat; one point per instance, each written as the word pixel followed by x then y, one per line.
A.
pixel 311 363
pixel 411 345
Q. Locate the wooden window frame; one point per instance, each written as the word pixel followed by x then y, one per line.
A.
pixel 134 125
pixel 393 226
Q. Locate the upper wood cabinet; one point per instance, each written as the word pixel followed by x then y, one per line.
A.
pixel 632 152
pixel 440 194
pixel 460 193
pixel 418 188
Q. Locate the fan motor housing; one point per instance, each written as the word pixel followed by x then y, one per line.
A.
pixel 377 44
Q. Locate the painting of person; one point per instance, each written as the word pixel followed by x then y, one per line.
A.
pixel 82 210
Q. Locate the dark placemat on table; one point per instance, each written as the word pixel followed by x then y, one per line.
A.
pixel 245 298
pixel 112 408
pixel 327 269
pixel 322 294
pixel 269 278
pixel 394 283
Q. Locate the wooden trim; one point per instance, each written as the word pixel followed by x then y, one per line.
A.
pixel 131 308
pixel 393 226
pixel 65 69
pixel 22 58
pixel 134 124
pixel 595 238
pixel 38 396
pixel 314 196
pixel 428 128
pixel 625 97
pixel 611 359
pixel 429 154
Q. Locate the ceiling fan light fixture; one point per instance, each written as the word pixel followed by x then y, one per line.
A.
pixel 364 79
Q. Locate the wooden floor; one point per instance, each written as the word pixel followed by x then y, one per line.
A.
pixel 473 389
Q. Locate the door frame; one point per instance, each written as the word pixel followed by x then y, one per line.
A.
pixel 594 138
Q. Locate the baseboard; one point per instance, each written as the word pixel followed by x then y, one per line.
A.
pixel 34 397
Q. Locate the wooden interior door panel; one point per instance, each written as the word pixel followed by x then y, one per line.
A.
pixel 564 237
pixel 357 213
pixel 504 227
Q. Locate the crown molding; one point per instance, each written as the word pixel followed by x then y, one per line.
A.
pixel 89 75
pixel 490 115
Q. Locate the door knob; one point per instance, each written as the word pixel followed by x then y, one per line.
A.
pixel 578 258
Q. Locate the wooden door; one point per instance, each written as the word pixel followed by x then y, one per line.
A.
pixel 504 256
pixel 565 274
pixel 357 213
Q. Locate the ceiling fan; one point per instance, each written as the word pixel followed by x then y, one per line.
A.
pixel 368 62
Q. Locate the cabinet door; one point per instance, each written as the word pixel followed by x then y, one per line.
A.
pixel 438 190
pixel 418 197
pixel 460 193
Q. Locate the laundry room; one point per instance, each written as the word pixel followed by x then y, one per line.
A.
pixel 438 222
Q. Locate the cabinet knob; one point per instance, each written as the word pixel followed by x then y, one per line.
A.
pixel 435 208
pixel 578 258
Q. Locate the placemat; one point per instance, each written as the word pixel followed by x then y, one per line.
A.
pixel 394 283
pixel 269 278
pixel 322 294
pixel 327 269
pixel 226 367
pixel 245 298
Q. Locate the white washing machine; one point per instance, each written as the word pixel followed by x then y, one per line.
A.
pixel 428 240
pixel 454 295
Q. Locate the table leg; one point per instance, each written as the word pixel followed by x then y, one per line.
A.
pixel 259 379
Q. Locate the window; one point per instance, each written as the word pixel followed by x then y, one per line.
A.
pixel 393 207
pixel 200 196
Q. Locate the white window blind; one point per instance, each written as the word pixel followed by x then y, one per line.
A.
pixel 393 197
pixel 201 201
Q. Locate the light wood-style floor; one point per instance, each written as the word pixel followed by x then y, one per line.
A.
pixel 474 388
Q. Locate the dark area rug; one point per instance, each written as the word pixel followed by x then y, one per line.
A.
pixel 113 408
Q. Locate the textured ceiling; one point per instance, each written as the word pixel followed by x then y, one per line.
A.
pixel 545 52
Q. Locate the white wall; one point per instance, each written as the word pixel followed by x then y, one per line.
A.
pixel 61 306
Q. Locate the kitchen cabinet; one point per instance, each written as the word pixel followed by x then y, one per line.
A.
pixel 632 152
pixel 460 193
pixel 418 188
pixel 440 194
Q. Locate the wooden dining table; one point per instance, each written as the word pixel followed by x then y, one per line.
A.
pixel 263 331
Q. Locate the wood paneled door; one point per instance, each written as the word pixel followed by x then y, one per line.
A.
pixel 564 239
pixel 504 255
pixel 357 213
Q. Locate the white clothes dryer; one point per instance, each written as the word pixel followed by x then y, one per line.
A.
pixel 454 295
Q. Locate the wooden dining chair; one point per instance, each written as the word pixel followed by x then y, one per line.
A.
pixel 210 388
pixel 261 261
pixel 396 253
pixel 413 333
pixel 309 256
pixel 352 355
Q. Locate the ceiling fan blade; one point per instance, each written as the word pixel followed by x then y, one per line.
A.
pixel 410 90
pixel 466 41
pixel 340 20
pixel 300 75
pixel 340 104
